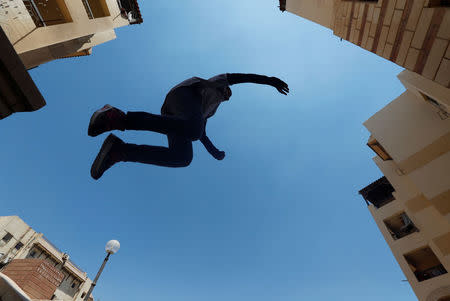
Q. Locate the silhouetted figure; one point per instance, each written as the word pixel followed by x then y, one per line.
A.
pixel 183 119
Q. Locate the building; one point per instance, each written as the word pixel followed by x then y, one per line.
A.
pixel 23 250
pixel 411 203
pixel 45 30
pixel 414 34
pixel 41 31
pixel 411 135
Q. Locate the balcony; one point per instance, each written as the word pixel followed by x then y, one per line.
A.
pixel 379 193
pixel 47 13
pixel 130 10
pixel 425 264
pixel 400 225
pixel 96 8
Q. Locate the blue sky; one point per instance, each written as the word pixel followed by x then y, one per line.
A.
pixel 278 219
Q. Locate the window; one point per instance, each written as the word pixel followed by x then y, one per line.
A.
pixel 424 264
pixel 378 149
pixel 18 246
pixel 7 237
pixel 48 12
pixel 83 295
pixel 400 225
pixel 96 8
pixel 32 253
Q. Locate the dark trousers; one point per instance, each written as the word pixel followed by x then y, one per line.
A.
pixel 180 133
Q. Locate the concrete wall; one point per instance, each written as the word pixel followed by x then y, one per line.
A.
pixel 15 19
pixel 42 55
pixel 20 231
pixel 318 11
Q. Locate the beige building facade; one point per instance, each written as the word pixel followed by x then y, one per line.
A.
pixel 45 30
pixel 411 204
pixel 34 32
pixel 19 241
pixel 411 135
pixel 414 34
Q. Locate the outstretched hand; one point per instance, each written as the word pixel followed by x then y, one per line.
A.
pixel 280 85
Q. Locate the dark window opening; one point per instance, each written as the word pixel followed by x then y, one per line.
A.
pixel 83 295
pixel 7 237
pixel 400 226
pixel 32 253
pixel 424 264
pixel 18 246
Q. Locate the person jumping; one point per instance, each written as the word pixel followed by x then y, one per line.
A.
pixel 183 117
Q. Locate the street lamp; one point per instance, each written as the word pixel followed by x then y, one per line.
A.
pixel 111 247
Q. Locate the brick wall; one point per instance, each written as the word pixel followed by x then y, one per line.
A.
pixel 406 32
pixel 38 278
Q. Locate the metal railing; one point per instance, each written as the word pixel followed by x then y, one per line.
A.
pixel 34 13
pixel 431 273
pixel 88 9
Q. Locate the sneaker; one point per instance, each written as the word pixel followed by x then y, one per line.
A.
pixel 106 119
pixel 107 156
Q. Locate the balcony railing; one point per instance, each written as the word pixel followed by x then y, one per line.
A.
pixel 430 273
pixel 88 9
pixel 34 13
pixel 400 226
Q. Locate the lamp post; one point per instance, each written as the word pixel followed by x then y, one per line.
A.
pixel 111 247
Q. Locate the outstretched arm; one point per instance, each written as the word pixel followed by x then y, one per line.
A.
pixel 240 78
pixel 217 154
